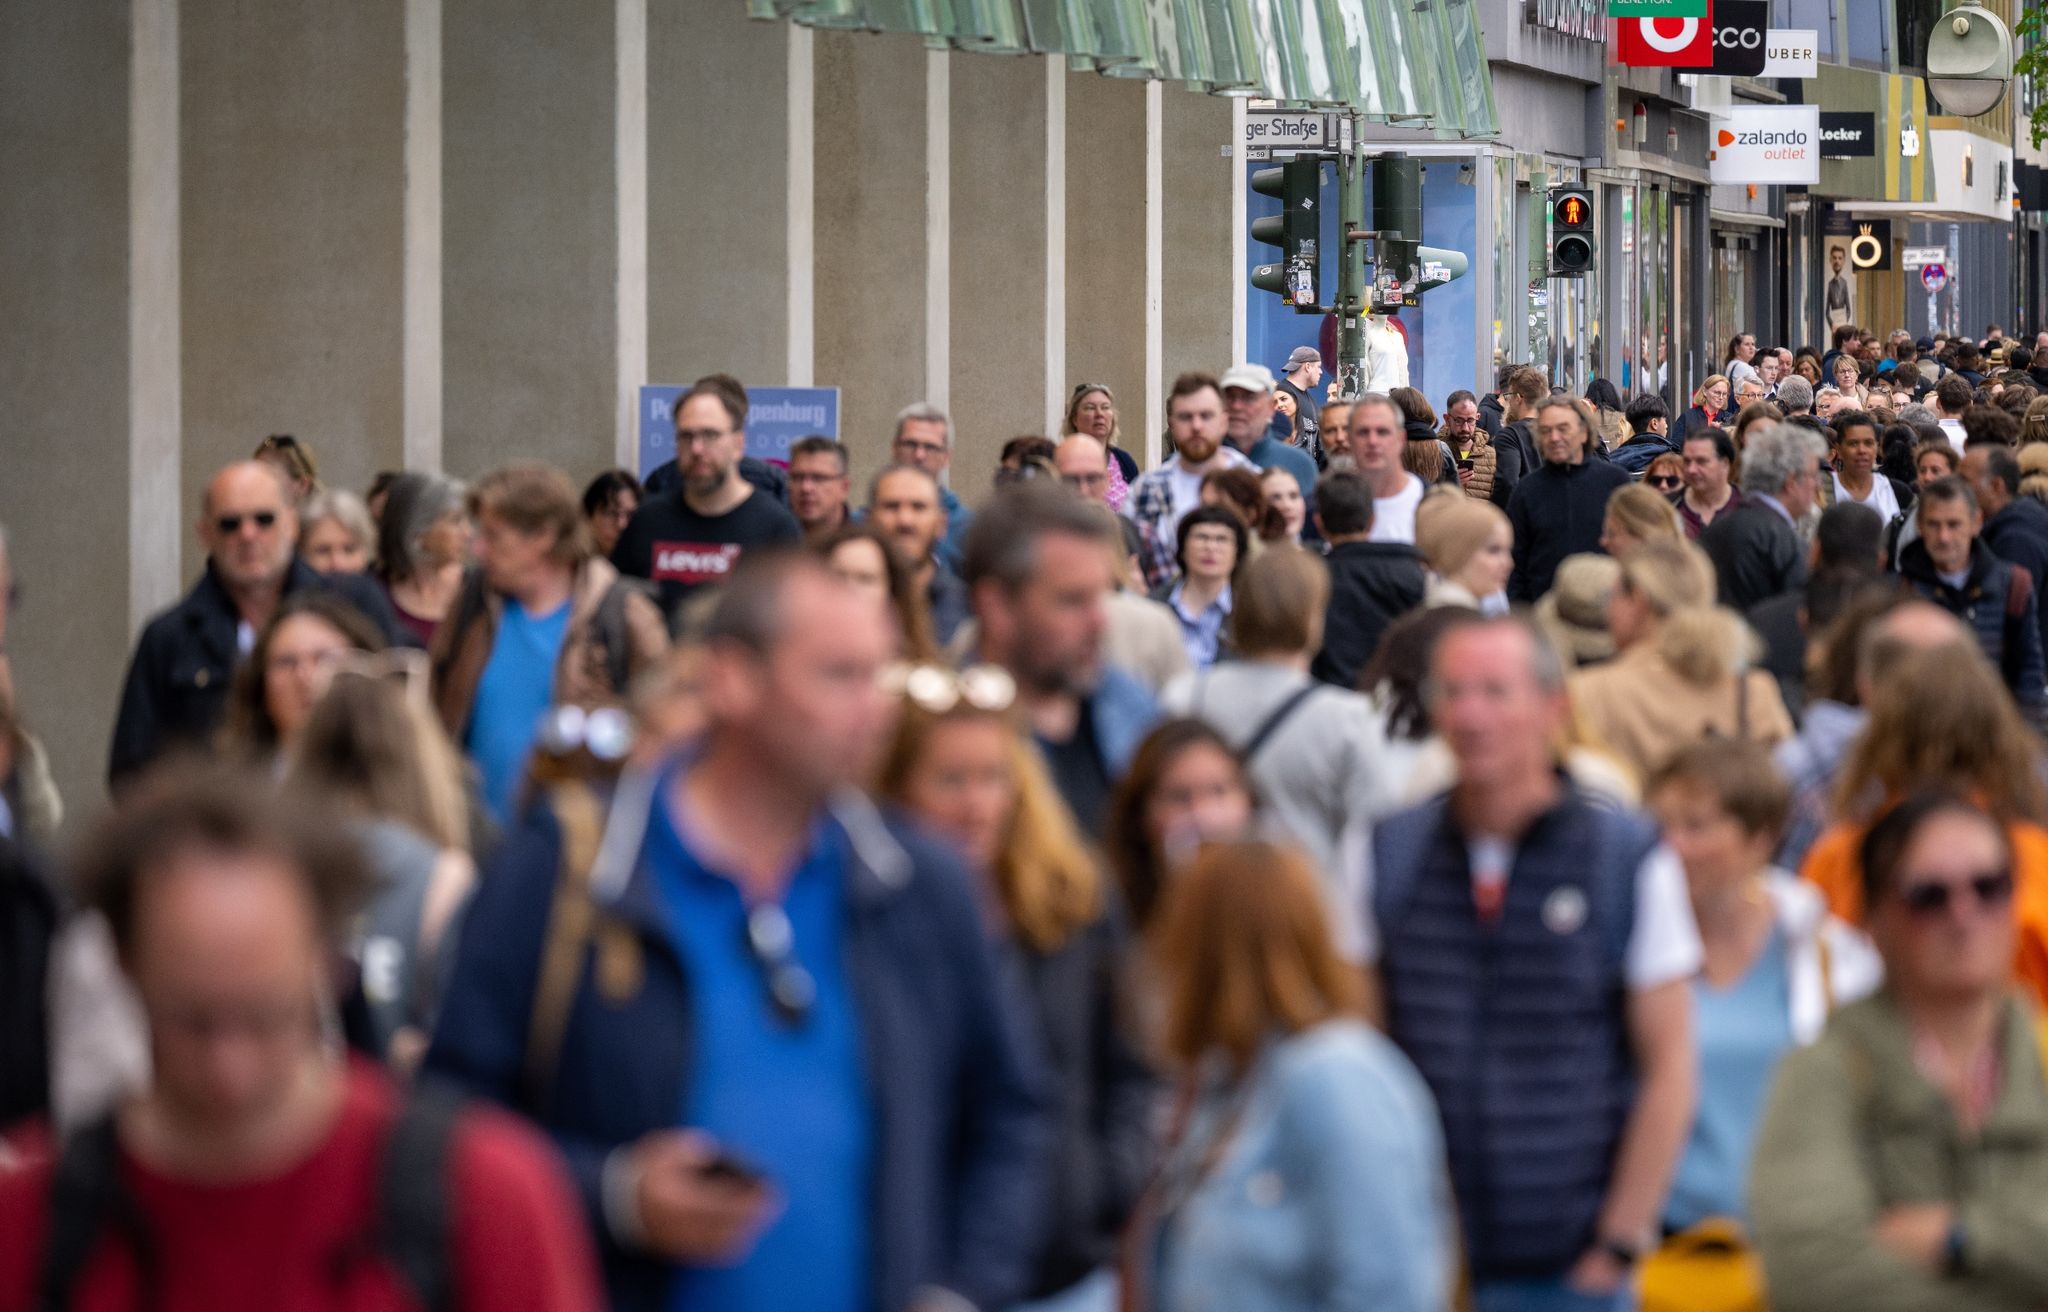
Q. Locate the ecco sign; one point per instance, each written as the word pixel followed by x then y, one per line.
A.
pixel 1740 29
pixel 1767 143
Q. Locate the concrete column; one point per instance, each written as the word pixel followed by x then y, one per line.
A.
pixel 998 261
pixel 1204 287
pixel 1106 242
pixel 423 385
pixel 293 222
pixel 64 369
pixel 530 199
pixel 871 266
pixel 717 247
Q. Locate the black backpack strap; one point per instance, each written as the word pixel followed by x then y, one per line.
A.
pixel 414 1227
pixel 1272 723
pixel 87 1197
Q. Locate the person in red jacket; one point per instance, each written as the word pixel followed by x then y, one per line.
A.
pixel 260 1169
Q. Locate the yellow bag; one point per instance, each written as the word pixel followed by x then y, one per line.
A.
pixel 1710 1268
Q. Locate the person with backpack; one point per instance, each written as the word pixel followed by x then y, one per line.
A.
pixel 764 1021
pixel 256 1170
pixel 1532 951
pixel 1314 752
pixel 540 622
pixel 1901 1163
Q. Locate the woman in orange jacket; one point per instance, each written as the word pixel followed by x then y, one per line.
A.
pixel 1942 716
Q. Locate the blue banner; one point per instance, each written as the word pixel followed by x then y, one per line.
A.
pixel 776 417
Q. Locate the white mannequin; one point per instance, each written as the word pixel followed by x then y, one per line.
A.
pixel 1386 355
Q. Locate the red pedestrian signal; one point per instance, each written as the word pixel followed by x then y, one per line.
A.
pixel 1571 230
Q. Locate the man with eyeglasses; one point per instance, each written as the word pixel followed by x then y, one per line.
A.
pixel 818 487
pixel 692 537
pixel 924 439
pixel 177 686
pixel 1755 546
pixel 803 1080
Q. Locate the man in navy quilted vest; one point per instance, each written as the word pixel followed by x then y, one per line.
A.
pixel 1533 946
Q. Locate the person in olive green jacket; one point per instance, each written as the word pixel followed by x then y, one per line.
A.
pixel 1903 1161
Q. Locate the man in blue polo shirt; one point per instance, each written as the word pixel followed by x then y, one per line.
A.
pixel 792 1076
pixel 1248 415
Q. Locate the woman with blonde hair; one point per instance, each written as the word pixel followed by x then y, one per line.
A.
pixel 1682 667
pixel 1092 410
pixel 1848 381
pixel 1470 547
pixel 1635 515
pixel 2034 471
pixel 294 459
pixel 1306 1169
pixel 1709 407
pixel 961 764
pixel 374 748
pixel 2034 425
pixel 1940 717
pixel 336 535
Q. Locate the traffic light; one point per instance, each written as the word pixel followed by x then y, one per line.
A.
pixel 1296 230
pixel 1571 229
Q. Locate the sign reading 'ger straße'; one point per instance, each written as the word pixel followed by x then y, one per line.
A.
pixel 1767 143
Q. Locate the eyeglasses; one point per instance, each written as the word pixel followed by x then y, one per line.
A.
pixel 229 525
pixel 937 690
pixel 1086 481
pixel 814 480
pixel 771 942
pixel 1669 482
pixel 919 448
pixel 1992 888
pixel 689 437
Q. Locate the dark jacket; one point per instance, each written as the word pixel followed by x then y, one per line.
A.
pixel 1492 418
pixel 1372 584
pixel 1103 1099
pixel 28 928
pixel 1523 434
pixel 961 1128
pixel 1757 554
pixel 177 688
pixel 1557 511
pixel 946 598
pixel 1507 468
pixel 1636 454
pixel 1692 421
pixel 1780 622
pixel 2019 533
pixel 1997 602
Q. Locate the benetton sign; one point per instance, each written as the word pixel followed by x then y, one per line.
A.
pixel 1656 8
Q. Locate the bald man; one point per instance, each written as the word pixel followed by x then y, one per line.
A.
pixel 177 686
pixel 1083 465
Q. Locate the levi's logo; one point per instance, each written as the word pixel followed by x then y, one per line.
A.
pixel 694 562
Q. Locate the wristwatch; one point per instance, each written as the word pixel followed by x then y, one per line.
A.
pixel 1624 1253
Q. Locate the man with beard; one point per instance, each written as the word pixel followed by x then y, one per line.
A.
pixel 1195 425
pixel 693 536
pixel 1038 576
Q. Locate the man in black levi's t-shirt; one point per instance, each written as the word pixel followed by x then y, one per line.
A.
pixel 693 536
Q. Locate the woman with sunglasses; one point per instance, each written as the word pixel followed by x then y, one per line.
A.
pixel 1092 410
pixel 1941 716
pixel 960 764
pixel 1305 1166
pixel 1666 474
pixel 1902 1161
pixel 1776 964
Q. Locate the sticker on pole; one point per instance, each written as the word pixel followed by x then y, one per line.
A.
pixel 1934 277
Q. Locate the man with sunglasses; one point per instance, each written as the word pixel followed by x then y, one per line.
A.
pixel 177 686
pixel 1900 1163
pixel 801 1080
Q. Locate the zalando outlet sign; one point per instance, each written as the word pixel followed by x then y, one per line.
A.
pixel 1767 144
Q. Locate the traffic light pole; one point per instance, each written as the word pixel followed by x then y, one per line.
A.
pixel 1352 277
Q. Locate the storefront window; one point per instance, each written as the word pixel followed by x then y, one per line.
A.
pixel 1816 14
pixel 1870 37
pixel 1916 20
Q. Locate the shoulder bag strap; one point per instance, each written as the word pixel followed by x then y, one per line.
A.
pixel 1273 722
pixel 581 820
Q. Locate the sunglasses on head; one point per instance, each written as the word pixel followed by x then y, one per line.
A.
pixel 771 942
pixel 1992 888
pixel 937 690
pixel 232 524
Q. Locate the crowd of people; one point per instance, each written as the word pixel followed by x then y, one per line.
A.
pixel 1525 852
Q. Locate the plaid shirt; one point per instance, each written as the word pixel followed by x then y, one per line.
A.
pixel 1151 507
pixel 1810 764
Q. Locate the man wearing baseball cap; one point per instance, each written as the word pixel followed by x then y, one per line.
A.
pixel 1248 418
pixel 1300 379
